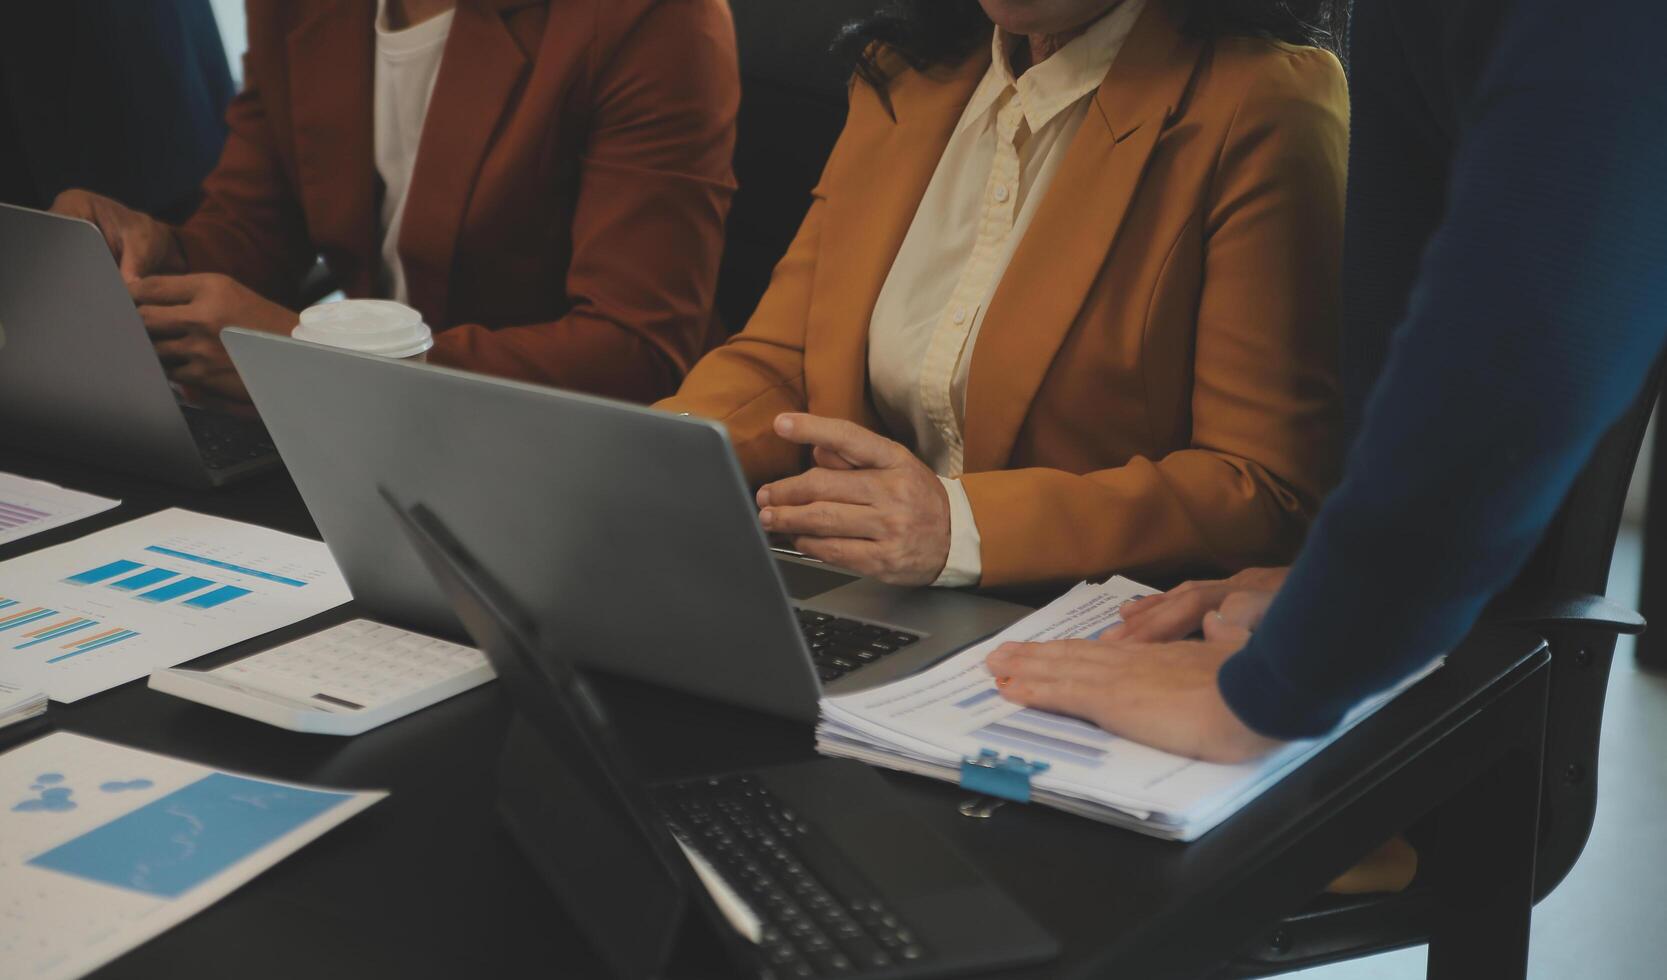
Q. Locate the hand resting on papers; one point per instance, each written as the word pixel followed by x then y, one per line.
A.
pixel 1241 599
pixel 1158 694
pixel 869 504
pixel 1142 680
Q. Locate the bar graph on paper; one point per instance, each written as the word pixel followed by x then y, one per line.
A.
pixel 115 605
pixel 154 583
pixel 64 635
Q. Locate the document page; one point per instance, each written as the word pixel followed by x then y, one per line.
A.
pixel 103 847
pixel 30 506
pixel 87 615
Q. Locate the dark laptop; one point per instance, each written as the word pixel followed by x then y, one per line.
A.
pixel 840 880
pixel 78 374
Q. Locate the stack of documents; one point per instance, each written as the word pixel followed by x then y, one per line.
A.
pixel 18 703
pixel 929 722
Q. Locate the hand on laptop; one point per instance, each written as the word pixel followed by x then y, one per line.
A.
pixel 1159 694
pixel 142 245
pixel 1241 599
pixel 869 505
pixel 185 315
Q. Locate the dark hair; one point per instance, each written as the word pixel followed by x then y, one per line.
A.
pixel 928 33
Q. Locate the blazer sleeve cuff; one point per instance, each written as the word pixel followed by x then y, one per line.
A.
pixel 966 562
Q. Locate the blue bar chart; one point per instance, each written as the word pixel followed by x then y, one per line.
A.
pixel 174 590
pixel 47 634
pixel 157 584
pixel 1037 734
pixel 103 572
pixel 115 605
pixel 133 583
pixel 160 583
pixel 220 596
pixel 293 583
pixel 51 625
pixel 96 641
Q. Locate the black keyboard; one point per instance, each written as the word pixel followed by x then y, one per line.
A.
pixel 819 918
pixel 226 440
pixel 839 646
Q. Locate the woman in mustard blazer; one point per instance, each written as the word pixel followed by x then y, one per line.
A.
pixel 1065 300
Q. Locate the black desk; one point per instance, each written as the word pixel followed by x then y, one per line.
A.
pixel 427 884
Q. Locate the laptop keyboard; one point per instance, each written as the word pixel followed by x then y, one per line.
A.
pixel 226 440
pixel 839 646
pixel 819 918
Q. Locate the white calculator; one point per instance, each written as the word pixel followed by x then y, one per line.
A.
pixel 343 681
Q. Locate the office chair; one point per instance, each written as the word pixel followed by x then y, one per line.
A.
pixel 1651 651
pixel 1559 594
pixel 793 99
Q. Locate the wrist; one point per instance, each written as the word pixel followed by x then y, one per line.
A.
pixel 1234 739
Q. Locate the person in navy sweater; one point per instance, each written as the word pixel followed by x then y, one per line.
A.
pixel 127 99
pixel 1505 294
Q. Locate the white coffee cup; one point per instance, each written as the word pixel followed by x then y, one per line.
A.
pixel 369 326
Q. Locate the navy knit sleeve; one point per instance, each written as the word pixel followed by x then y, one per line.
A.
pixel 1540 304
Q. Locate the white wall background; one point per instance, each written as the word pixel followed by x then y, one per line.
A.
pixel 234 31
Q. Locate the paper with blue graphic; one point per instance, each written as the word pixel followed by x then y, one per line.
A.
pixel 177 842
pixel 103 847
pixel 112 607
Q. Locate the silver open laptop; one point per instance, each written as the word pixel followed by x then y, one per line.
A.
pixel 630 532
pixel 78 374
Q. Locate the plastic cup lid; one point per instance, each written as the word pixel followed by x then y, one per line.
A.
pixel 369 326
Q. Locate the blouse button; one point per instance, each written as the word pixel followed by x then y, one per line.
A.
pixel 1001 193
pixel 960 316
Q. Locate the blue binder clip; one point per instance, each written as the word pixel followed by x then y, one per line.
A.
pixel 993 774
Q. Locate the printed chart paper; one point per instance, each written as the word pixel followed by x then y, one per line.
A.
pixel 30 506
pixel 87 615
pixel 103 847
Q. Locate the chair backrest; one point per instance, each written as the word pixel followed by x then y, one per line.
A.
pixel 1572 559
pixel 793 98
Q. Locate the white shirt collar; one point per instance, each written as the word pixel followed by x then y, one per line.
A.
pixel 1067 75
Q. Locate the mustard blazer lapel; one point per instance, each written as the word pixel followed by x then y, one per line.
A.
pixel 862 234
pixel 481 70
pixel 1053 269
pixel 330 80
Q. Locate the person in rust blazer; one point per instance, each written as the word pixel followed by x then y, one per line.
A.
pixel 565 214
pixel 1153 387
